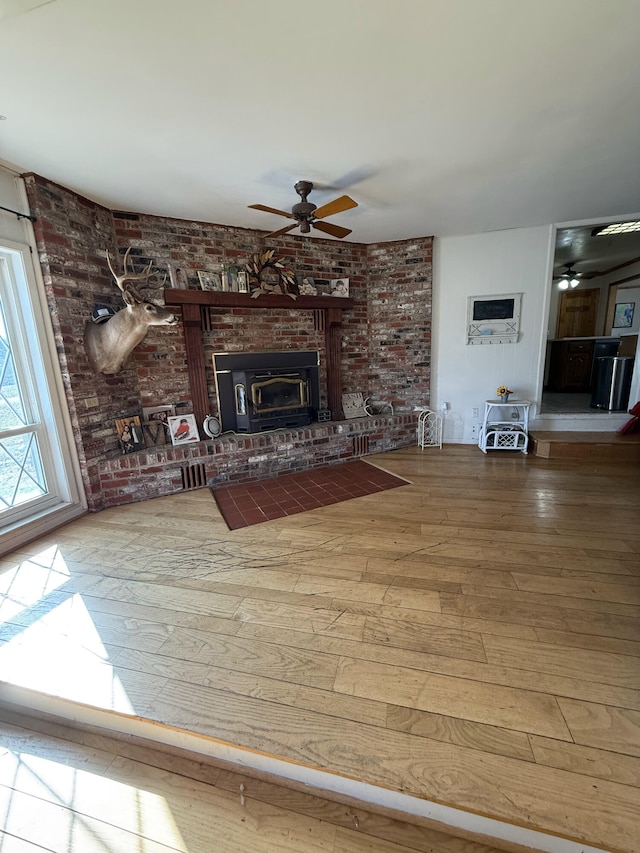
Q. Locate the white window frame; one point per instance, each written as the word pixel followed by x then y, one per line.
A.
pixel 38 370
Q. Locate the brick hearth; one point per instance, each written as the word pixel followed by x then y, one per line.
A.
pixel 239 459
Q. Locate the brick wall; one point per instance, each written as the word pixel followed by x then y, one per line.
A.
pixel 399 284
pixel 385 344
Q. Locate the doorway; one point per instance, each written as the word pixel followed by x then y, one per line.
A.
pixel 592 272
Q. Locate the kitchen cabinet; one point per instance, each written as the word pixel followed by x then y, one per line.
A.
pixel 570 365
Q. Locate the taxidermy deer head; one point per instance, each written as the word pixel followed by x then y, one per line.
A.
pixel 109 344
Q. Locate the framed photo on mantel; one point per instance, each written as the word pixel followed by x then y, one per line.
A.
pixel 209 280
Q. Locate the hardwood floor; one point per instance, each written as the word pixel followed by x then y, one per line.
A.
pixel 471 639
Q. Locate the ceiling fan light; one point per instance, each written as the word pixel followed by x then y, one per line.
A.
pixel 574 282
pixel 563 284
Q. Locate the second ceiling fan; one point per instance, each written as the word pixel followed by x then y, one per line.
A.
pixel 307 215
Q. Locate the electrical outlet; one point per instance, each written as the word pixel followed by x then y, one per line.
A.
pixel 475 413
pixel 474 429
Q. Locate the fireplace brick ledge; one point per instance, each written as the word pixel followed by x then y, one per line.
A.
pixel 237 458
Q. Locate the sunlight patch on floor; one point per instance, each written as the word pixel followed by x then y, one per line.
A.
pixel 52 645
pixel 78 809
pixel 28 582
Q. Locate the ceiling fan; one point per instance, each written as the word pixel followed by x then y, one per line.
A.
pixel 570 277
pixel 307 215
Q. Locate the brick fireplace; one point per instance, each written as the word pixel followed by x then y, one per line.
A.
pixel 382 348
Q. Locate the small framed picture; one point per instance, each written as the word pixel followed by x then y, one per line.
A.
pixel 178 278
pixel 322 286
pixel 230 278
pixel 623 315
pixel 209 280
pixel 158 413
pixel 243 281
pixel 340 287
pixel 306 285
pixel 183 429
pixel 130 434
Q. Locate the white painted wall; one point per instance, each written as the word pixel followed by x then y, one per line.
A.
pixel 514 261
pixel 11 228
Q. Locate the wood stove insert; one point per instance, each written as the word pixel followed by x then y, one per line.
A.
pixel 267 390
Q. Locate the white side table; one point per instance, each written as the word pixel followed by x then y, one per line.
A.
pixel 505 426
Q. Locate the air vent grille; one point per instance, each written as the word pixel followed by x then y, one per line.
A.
pixel 194 477
pixel 360 445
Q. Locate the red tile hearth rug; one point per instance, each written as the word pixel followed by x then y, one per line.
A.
pixel 288 494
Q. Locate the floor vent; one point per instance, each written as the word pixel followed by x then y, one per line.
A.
pixel 360 445
pixel 194 477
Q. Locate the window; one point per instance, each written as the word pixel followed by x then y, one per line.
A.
pixel 36 470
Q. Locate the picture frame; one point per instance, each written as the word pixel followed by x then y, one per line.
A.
pixel 243 281
pixel 178 278
pixel 155 433
pixel 340 287
pixel 494 319
pixel 209 280
pixel 623 315
pixel 323 286
pixel 306 285
pixel 158 413
pixel 130 435
pixel 183 429
pixel 229 277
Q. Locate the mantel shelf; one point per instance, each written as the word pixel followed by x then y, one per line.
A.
pixel 193 301
pixel 243 300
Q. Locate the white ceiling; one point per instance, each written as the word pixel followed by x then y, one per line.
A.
pixel 438 116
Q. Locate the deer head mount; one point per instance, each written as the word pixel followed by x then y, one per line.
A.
pixel 109 344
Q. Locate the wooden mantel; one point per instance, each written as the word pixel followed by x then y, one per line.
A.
pixel 192 302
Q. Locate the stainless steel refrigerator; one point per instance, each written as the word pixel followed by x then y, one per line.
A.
pixel 612 382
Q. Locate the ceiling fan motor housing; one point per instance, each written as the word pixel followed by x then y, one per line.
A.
pixel 303 211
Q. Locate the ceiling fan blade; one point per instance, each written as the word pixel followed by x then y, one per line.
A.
pixel 271 210
pixel 330 228
pixel 282 231
pixel 335 206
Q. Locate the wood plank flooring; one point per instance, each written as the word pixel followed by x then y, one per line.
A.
pixel 93 794
pixel 471 638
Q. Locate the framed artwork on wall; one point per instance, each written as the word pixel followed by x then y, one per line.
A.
pixel 494 319
pixel 623 315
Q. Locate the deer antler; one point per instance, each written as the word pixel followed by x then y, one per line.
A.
pixel 127 276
